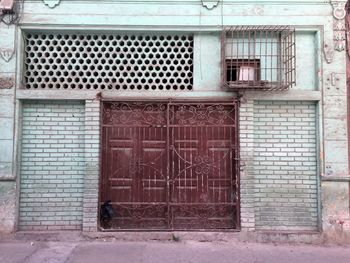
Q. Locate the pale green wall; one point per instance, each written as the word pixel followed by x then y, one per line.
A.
pixel 207 61
pixel 313 20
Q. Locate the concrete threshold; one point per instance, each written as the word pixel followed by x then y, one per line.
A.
pixel 288 237
pixel 52 236
pixel 258 236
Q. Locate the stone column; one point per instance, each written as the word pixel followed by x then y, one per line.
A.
pixel 7 127
pixel 335 170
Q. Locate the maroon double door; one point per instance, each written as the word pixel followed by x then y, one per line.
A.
pixel 170 165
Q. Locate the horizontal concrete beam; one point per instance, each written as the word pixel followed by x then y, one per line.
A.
pixel 91 94
pixel 284 95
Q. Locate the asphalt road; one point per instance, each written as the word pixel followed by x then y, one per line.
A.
pixel 167 252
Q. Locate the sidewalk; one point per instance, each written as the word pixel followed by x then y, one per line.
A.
pixel 110 250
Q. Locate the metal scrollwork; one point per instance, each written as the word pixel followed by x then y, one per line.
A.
pixel 134 114
pixel 203 164
pixel 203 115
pixel 207 216
pixel 138 212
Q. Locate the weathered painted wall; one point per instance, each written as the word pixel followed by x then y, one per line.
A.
pixel 177 13
pixel 7 132
pixel 320 78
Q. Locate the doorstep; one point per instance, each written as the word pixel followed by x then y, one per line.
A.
pixel 308 237
pixel 293 237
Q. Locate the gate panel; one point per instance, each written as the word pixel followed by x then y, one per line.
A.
pixel 170 165
pixel 134 177
pixel 203 174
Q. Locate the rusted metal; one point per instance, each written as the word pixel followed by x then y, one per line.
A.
pixel 258 57
pixel 170 165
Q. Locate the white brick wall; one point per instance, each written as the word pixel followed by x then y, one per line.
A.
pixel 52 165
pixel 246 137
pixel 285 166
pixel 92 172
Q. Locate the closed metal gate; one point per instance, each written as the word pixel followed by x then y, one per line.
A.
pixel 170 165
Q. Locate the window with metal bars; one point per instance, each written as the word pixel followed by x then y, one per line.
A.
pixel 258 57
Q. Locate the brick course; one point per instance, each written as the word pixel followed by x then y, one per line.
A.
pixel 52 165
pixel 285 166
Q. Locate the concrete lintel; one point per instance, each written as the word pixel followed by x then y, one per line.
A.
pixel 55 94
pixel 299 95
pixel 91 94
pixel 115 94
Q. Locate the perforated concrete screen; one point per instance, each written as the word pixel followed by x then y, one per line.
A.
pixel 108 61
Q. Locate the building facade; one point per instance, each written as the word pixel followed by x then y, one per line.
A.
pixel 174 115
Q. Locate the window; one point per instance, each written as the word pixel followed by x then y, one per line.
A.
pixel 256 57
pixel 242 70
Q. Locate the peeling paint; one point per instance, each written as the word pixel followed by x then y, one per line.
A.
pixel 6 83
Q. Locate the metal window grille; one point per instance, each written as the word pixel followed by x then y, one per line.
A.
pixel 258 57
pixel 108 61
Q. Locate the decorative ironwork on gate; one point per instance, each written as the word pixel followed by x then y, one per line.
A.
pixel 170 165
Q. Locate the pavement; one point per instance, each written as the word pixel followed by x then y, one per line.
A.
pixel 171 251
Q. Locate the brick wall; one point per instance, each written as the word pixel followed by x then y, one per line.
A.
pixel 52 165
pixel 92 172
pixel 285 166
pixel 246 138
